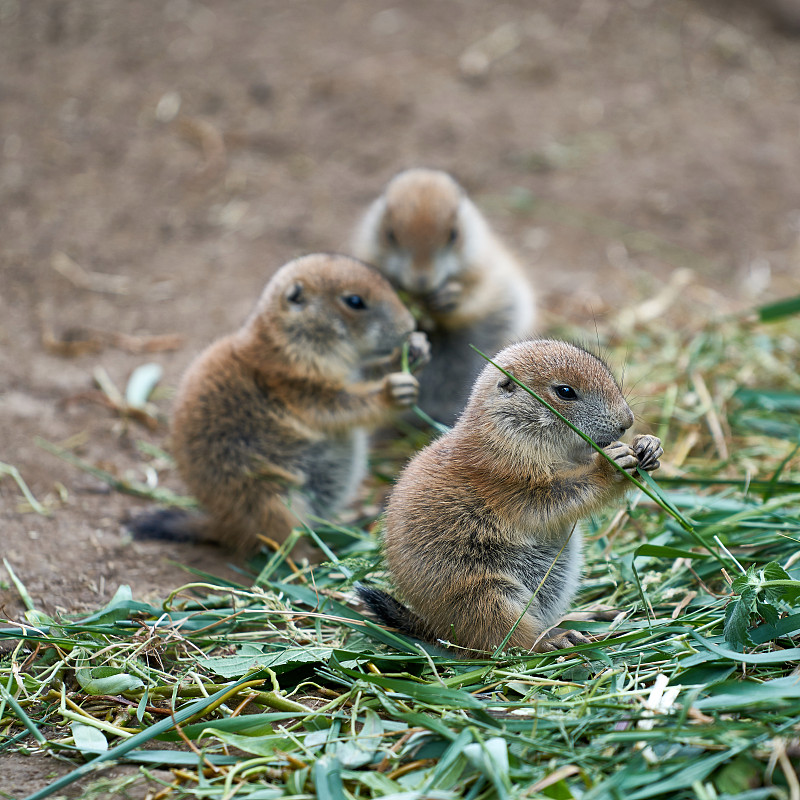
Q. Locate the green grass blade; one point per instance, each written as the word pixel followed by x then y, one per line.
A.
pixel 783 308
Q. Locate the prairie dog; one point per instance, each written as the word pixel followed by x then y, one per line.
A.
pixel 269 423
pixel 426 236
pixel 478 517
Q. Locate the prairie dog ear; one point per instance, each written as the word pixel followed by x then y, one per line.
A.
pixel 295 294
pixel 505 384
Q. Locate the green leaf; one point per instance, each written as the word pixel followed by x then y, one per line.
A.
pixel 450 764
pixel 250 657
pixel 664 551
pixel 175 758
pixel 491 759
pixel 787 656
pixel 787 626
pixel 558 791
pixel 107 680
pixel 358 751
pixel 257 745
pixel 296 781
pixel 742 582
pixel 737 777
pixel 768 612
pixel 775 572
pixel 426 693
pixel 376 781
pixel 142 705
pixel 327 775
pixel 118 608
pixel 737 619
pixel 749 694
pixel 427 721
pixel 245 724
pixel 88 739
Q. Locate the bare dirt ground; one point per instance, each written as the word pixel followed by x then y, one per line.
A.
pixel 160 159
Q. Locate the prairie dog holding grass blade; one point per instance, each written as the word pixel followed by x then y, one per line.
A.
pixel 270 423
pixel 427 237
pixel 478 518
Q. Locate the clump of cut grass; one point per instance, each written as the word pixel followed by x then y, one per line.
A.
pixel 279 687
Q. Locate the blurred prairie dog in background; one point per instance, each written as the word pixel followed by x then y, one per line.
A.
pixel 270 423
pixel 478 518
pixel 428 238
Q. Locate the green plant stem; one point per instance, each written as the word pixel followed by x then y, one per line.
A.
pixel 439 427
pixel 21 715
pixel 13 472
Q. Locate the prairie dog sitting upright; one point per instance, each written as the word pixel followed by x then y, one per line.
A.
pixel 478 517
pixel 427 237
pixel 270 423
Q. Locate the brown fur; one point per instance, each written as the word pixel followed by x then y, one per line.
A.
pixel 268 424
pixel 479 516
pixel 431 242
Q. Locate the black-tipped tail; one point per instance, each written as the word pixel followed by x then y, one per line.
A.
pixel 170 525
pixel 393 613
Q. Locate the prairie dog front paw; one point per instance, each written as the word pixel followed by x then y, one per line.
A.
pixel 558 638
pixel 624 456
pixel 648 450
pixel 403 389
pixel 445 299
pixel 419 350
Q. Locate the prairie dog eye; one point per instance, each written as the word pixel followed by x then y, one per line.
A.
pixel 452 237
pixel 506 385
pixel 391 237
pixel 354 301
pixel 565 392
pixel 295 294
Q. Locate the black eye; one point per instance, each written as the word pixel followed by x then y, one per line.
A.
pixel 565 392
pixel 295 294
pixel 354 301
pixel 453 236
pixel 506 385
pixel 391 237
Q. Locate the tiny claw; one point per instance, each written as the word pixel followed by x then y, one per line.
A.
pixel 558 639
pixel 624 456
pixel 648 450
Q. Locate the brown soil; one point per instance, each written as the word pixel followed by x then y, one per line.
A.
pixel 187 149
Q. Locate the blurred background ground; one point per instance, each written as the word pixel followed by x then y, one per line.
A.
pixel 158 160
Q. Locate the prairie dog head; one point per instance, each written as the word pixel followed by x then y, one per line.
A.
pixel 331 313
pixel 576 383
pixel 420 231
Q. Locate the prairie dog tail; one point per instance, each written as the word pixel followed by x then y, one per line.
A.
pixel 170 525
pixel 393 613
